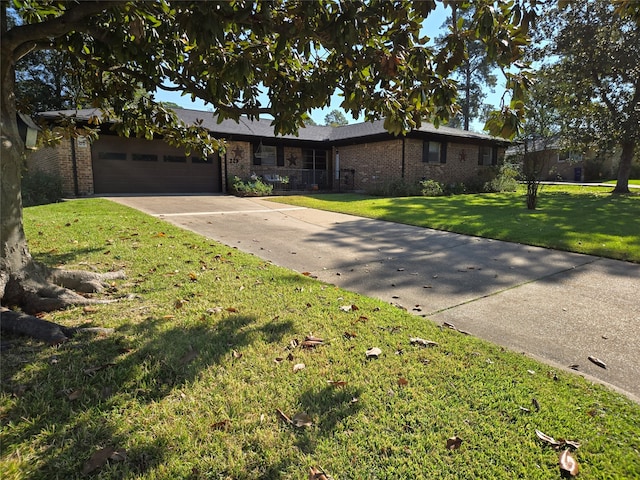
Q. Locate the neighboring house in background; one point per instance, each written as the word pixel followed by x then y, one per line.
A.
pixel 344 158
pixel 557 163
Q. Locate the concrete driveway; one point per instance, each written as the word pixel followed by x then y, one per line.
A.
pixel 556 306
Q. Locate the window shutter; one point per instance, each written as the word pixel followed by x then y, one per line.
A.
pixel 479 154
pixel 425 151
pixel 280 156
pixel 443 152
pixel 256 160
pixel 494 156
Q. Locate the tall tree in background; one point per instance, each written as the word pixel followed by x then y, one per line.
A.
pixel 301 52
pixel 45 82
pixel 335 118
pixel 595 69
pixel 475 73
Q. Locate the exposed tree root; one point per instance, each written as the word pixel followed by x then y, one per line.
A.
pixel 34 327
pixel 82 281
pixel 39 289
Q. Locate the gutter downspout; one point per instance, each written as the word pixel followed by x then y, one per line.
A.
pixel 74 167
pixel 403 155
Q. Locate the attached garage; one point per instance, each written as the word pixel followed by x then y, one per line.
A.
pixel 134 165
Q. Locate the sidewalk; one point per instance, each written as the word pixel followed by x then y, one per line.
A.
pixel 556 306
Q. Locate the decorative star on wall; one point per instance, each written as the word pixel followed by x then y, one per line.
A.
pixel 237 153
pixel 292 160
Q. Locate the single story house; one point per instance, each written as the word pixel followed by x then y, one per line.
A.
pixel 555 162
pixel 345 158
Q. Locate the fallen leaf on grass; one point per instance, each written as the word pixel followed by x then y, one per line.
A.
pixel 221 425
pixel 236 354
pixel 374 352
pixel 283 416
pixel 598 362
pixel 568 464
pixel 403 381
pixel 310 341
pixel 89 310
pixel 97 460
pixel 535 404
pixel 92 370
pixel 301 420
pixel 546 438
pixel 119 455
pixel 350 335
pixel 75 395
pixel 298 366
pixel 422 342
pixel 188 357
pixel 317 474
pixel 349 308
pixel 454 443
pixel 337 383
pixel 561 442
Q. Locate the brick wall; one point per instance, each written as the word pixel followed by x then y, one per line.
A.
pixel 58 160
pixel 371 164
pixel 379 162
pixel 238 161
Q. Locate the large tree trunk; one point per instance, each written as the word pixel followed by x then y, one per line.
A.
pixel 31 287
pixel 624 169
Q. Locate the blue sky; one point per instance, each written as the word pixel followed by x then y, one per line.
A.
pixel 431 28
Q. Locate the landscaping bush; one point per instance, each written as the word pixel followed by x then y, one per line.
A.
pixel 254 187
pixel 505 181
pixel 455 189
pixel 41 188
pixel 431 188
pixel 396 187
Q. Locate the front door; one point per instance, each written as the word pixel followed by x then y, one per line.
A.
pixel 315 165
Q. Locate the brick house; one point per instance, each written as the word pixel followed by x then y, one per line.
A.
pixel 553 161
pixel 350 157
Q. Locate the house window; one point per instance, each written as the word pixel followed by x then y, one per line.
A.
pixel 487 155
pixel 434 152
pixel 175 158
pixel 112 156
pixel 314 159
pixel 265 154
pixel 144 157
pixel 569 156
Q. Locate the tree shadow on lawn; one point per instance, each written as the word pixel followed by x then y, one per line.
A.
pixel 77 399
pixel 327 407
pixel 56 258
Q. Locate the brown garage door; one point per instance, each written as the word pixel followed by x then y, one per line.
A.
pixel 133 165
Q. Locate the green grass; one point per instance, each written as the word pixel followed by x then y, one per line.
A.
pixel 578 219
pixel 190 386
pixel 631 182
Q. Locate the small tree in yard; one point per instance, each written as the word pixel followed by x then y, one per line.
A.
pixel 222 52
pixel 540 131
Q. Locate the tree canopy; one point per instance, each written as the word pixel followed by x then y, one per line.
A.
pixel 591 57
pixel 226 53
pixel 335 118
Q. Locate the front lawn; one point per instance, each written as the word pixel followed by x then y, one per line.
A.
pixel 572 218
pixel 207 375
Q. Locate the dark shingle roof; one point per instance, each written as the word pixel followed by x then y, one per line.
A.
pixel 315 133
